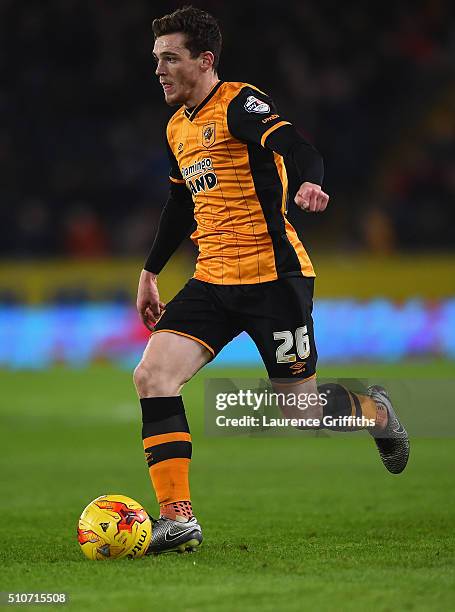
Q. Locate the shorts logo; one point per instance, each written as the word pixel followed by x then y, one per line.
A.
pixel 208 135
pixel 254 105
pixel 298 367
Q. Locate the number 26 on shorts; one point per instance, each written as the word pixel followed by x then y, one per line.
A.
pixel 302 344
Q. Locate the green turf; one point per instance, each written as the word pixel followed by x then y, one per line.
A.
pixel 289 524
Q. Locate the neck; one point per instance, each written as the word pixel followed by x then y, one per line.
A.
pixel 202 90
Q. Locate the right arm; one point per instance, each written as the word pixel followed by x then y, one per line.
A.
pixel 176 223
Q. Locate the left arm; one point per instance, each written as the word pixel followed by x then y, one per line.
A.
pixel 252 116
pixel 309 164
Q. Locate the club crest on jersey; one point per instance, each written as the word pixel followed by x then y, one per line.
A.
pixel 208 134
pixel 254 105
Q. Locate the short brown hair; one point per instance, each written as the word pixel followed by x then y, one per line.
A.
pixel 200 28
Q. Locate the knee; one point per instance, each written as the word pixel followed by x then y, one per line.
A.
pixel 151 380
pixel 140 377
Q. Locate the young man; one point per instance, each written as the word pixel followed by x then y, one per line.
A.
pixel 228 149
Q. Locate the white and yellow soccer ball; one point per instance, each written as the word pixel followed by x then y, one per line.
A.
pixel 112 527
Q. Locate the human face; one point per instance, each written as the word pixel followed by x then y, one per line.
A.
pixel 178 72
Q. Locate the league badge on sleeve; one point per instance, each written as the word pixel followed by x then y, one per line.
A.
pixel 254 105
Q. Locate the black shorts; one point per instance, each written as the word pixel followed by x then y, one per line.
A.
pixel 276 315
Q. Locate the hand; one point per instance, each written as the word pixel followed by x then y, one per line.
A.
pixel 148 302
pixel 311 198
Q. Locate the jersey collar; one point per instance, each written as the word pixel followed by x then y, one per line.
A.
pixel 191 113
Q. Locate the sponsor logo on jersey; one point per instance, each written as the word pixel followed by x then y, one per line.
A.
pixel 208 134
pixel 196 167
pixel 104 526
pixel 180 147
pixel 200 175
pixel 254 105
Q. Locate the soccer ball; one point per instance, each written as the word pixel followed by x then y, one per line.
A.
pixel 112 527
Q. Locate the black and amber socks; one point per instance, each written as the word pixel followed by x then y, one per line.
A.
pixel 345 410
pixel 167 446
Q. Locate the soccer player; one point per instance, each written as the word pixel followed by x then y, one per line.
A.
pixel 228 150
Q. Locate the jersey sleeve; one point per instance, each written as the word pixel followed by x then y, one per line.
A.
pixel 176 223
pixel 175 175
pixel 252 116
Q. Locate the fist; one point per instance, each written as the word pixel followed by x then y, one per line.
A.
pixel 311 198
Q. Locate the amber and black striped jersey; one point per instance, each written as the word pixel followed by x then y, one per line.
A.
pixel 223 151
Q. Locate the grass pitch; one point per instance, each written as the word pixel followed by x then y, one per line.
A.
pixel 289 523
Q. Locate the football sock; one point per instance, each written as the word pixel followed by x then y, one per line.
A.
pixel 178 511
pixel 167 446
pixel 342 404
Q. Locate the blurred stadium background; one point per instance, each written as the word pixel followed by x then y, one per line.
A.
pixel 84 171
pixel 83 178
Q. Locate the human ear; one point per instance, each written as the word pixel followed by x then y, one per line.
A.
pixel 207 58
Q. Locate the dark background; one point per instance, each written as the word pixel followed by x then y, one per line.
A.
pixel 83 169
